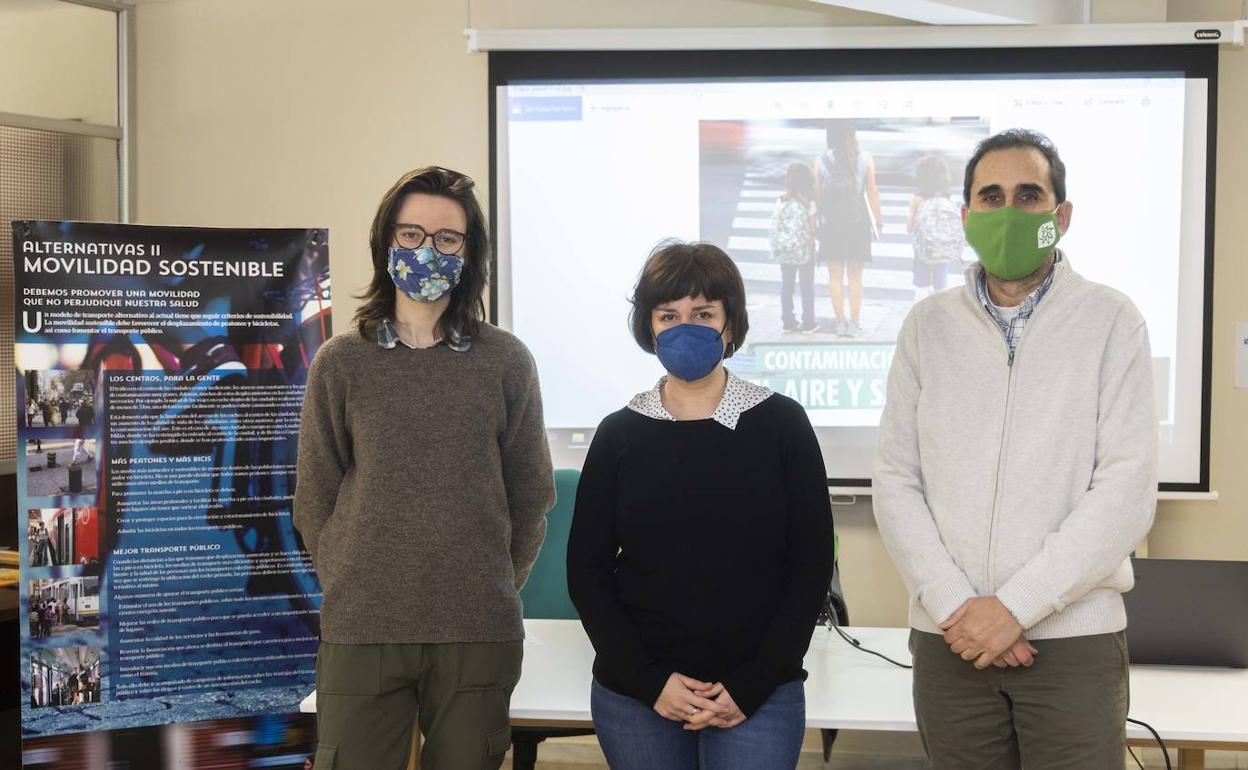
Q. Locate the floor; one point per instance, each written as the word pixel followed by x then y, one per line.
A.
pixel 858 751
pixel 854 751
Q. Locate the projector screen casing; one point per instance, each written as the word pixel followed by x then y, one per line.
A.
pixel 512 68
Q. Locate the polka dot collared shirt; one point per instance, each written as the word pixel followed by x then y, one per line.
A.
pixel 739 396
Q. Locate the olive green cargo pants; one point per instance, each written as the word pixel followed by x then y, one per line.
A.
pixel 369 695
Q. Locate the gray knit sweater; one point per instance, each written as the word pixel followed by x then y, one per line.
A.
pixel 1031 479
pixel 424 478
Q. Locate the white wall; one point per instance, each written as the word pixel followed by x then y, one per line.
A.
pixel 303 112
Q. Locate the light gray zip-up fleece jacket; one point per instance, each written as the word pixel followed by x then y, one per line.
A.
pixel 1030 478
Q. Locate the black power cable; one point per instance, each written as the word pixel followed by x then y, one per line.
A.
pixel 1164 751
pixel 858 645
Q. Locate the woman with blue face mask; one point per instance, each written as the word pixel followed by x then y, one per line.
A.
pixel 424 478
pixel 701 544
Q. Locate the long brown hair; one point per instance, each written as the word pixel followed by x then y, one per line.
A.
pixel 467 307
pixel 842 140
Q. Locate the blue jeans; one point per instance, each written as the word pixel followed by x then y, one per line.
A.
pixel 804 276
pixel 634 737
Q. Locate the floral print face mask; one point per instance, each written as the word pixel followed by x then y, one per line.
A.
pixel 424 274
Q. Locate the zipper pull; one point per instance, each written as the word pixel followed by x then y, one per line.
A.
pixel 1010 363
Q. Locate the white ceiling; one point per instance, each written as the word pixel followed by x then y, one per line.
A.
pixel 974 11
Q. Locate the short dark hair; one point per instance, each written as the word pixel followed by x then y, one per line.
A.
pixel 1015 138
pixel 931 176
pixel 675 270
pixel 467 307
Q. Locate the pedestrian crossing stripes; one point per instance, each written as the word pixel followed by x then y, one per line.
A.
pixel 764 224
pixel 888 276
pixel 759 246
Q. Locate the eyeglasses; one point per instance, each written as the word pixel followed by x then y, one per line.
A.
pixel 445 241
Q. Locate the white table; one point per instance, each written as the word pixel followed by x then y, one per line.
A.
pixel 1193 709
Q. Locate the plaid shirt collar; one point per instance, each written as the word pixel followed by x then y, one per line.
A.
pixel 388 337
pixel 1025 308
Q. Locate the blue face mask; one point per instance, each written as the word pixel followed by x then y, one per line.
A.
pixel 689 351
pixel 424 274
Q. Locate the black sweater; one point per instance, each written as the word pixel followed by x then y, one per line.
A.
pixel 702 550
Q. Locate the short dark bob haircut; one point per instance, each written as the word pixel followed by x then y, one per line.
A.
pixel 467 307
pixel 675 270
pixel 1014 139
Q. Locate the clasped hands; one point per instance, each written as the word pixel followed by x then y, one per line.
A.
pixel 981 630
pixel 984 631
pixel 698 704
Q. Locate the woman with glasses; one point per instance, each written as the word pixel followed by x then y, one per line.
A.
pixel 423 482
pixel 701 543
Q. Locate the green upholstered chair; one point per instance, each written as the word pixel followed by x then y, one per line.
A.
pixel 545 593
pixel 545 596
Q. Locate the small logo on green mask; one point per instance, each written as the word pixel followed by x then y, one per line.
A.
pixel 1046 236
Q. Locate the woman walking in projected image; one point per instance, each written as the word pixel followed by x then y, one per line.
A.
pixel 849 219
pixel 424 479
pixel 701 543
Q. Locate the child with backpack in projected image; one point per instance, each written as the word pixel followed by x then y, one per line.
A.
pixel 792 242
pixel 935 227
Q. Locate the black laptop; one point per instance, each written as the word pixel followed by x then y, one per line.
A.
pixel 1188 613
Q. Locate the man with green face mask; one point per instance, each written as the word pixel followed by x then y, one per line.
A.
pixel 1016 472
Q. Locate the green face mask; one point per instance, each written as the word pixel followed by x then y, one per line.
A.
pixel 1011 243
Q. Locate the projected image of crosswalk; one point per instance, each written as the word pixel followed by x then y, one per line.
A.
pixel 742 181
